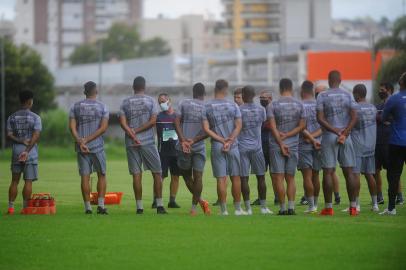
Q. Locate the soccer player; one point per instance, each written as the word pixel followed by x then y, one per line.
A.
pixel 309 148
pixel 250 147
pixel 138 115
pixel 191 147
pixel 337 114
pixel 287 120
pixel 396 108
pixel 363 136
pixel 23 128
pixel 222 122
pixel 88 120
pixel 336 184
pixel 238 96
pixel 167 140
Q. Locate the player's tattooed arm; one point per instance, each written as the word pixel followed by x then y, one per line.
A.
pixel 34 139
pixel 129 131
pixel 11 136
pixel 211 133
pixel 296 130
pixel 184 143
pixel 236 131
pixel 310 138
pixel 353 120
pixel 100 131
pixel 151 123
pixel 324 123
pixel 275 133
pixel 78 140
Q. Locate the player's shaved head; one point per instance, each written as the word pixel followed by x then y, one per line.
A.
pixel 139 84
pixel 359 92
pixel 199 90
pixel 90 88
pixel 334 79
pixel 221 85
pixel 25 96
pixel 285 84
pixel 248 94
pixel 307 88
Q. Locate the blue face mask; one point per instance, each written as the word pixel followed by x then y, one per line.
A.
pixel 164 106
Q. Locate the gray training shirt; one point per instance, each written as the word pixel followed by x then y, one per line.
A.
pixel 221 114
pixel 363 134
pixel 312 125
pixel 138 110
pixel 191 113
pixel 22 124
pixel 253 116
pixel 336 105
pixel 88 114
pixel 287 112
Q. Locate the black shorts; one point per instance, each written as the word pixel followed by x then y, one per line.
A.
pixel 169 163
pixel 381 156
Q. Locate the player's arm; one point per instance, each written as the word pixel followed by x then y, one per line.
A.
pixel 237 129
pixel 129 131
pixel 178 129
pixel 296 130
pixel 323 122
pixel 211 133
pixel 278 139
pixel 29 145
pixel 199 138
pixel 353 120
pixel 73 130
pixel 11 136
pixel 151 122
pixel 311 137
pixel 100 131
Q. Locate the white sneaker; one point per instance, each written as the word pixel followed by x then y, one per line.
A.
pixel 386 212
pixel 346 210
pixel 240 212
pixel 265 211
pixel 312 210
pixel 375 208
pixel 358 208
pixel 225 213
pixel 249 212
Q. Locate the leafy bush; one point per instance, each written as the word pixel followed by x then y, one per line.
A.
pixel 55 129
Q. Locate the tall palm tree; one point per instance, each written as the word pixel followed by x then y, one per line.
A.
pixel 397 40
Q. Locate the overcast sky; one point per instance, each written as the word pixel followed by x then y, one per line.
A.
pixel 213 8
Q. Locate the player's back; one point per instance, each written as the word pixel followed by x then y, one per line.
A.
pixel 252 116
pixel 363 133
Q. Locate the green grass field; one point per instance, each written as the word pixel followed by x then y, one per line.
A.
pixel 123 240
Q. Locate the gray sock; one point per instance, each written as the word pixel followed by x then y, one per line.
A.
pixel 311 201
pixel 247 204
pixel 159 202
pixel 237 206
pixel 291 204
pixel 353 204
pixel 283 206
pixel 263 203
pixel 88 206
pixel 10 204
pixel 139 204
pixel 223 207
pixel 100 202
pixel 316 201
pixel 374 199
pixel 328 205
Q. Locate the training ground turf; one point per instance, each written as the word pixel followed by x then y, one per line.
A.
pixel 123 240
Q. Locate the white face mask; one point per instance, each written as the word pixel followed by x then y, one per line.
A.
pixel 164 106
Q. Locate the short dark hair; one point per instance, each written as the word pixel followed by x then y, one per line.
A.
pixel 248 93
pixel 199 90
pixel 238 91
pixel 220 85
pixel 387 86
pixel 307 87
pixel 285 84
pixel 25 96
pixel 360 90
pixel 163 95
pixel 139 84
pixel 334 77
pixel 90 88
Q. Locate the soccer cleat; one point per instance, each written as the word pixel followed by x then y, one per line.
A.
pixel 337 200
pixel 101 211
pixel 327 212
pixel 240 213
pixel 161 210
pixel 282 213
pixel 353 211
pixel 205 207
pixel 386 212
pixel 88 212
pixel 303 201
pixel 249 212
pixel 381 200
pixel 173 205
pixel 153 206
pixel 400 200
pixel 265 211
pixel 291 212
pixel 375 208
pixel 193 212
pixel 217 203
pixel 140 211
pixel 225 213
pixel 10 211
pixel 256 202
pixel 312 210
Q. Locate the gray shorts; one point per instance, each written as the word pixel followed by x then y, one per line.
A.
pixel 282 164
pixel 253 160
pixel 144 154
pixel 29 171
pixel 365 165
pixel 309 159
pixel 92 162
pixel 194 160
pixel 331 151
pixel 225 163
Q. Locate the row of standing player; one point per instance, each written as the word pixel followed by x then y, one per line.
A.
pixel 294 141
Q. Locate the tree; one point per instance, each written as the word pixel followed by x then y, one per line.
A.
pixel 122 42
pixel 24 70
pixel 397 40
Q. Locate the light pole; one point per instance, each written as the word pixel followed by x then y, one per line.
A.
pixel 3 97
pixel 100 68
